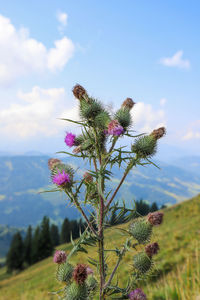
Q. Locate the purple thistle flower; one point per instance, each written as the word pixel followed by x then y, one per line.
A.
pixel 114 128
pixel 70 139
pixel 59 257
pixel 137 295
pixel 61 178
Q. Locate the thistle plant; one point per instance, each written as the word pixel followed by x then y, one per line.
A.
pixel 98 145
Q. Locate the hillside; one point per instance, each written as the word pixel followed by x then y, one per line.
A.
pixel 177 269
pixel 23 177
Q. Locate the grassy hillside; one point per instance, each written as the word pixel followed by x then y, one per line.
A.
pixel 177 268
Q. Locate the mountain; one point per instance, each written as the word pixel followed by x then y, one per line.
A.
pixel 22 178
pixel 176 272
pixel 189 163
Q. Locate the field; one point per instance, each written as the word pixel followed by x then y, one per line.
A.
pixel 176 275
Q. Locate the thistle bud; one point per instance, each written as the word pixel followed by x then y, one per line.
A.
pixel 80 273
pixel 137 294
pixel 155 218
pixel 59 257
pixel 64 272
pixel 158 133
pixel 141 231
pixel 76 292
pixel 87 177
pixel 52 162
pixel 142 262
pixel 128 103
pixel 152 249
pixel 79 92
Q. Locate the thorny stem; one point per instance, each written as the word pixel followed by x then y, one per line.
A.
pixel 130 165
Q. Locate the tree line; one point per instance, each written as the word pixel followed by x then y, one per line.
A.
pixel 40 243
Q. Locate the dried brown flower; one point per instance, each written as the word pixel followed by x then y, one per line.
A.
pixel 128 103
pixel 152 249
pixel 158 133
pixel 80 273
pixel 77 149
pixel 155 218
pixel 79 92
pixel 52 162
pixel 88 178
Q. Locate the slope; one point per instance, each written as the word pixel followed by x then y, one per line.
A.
pixel 178 238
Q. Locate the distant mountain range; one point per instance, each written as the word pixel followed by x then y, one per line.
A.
pixel 23 177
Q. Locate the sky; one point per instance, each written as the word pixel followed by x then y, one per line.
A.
pixel 146 50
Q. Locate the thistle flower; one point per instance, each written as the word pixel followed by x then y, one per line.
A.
pixel 79 92
pixel 128 103
pixel 137 295
pixel 152 249
pixel 87 177
pixel 61 178
pixel 155 218
pixel 80 273
pixel 114 128
pixel 70 139
pixel 52 162
pixel 59 257
pixel 158 133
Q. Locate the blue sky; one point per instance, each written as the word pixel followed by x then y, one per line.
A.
pixel 146 50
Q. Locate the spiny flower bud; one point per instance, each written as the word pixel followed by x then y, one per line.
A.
pixel 155 218
pixel 141 231
pixel 87 177
pixel 61 178
pixel 152 249
pixel 70 139
pixel 80 273
pixel 79 92
pixel 59 257
pixel 128 103
pixel 137 294
pixel 114 128
pixel 158 133
pixel 142 262
pixel 64 272
pixel 52 162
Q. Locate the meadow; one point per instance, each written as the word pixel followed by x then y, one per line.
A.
pixel 176 274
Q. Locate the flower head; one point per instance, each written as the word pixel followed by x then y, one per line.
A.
pixel 61 178
pixel 152 249
pixel 80 273
pixel 128 103
pixel 155 218
pixel 137 295
pixel 158 133
pixel 114 128
pixel 59 257
pixel 70 139
pixel 79 91
pixel 52 162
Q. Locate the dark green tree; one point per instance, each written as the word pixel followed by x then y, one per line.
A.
pixel 15 256
pixel 28 246
pixel 45 247
pixel 35 245
pixel 65 231
pixel 55 237
pixel 154 207
pixel 142 207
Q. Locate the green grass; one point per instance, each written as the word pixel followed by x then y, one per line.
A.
pixel 176 274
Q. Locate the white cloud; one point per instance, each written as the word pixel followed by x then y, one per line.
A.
pixel 37 114
pixel 176 61
pixel 62 18
pixel 193 131
pixel 22 55
pixel 146 118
